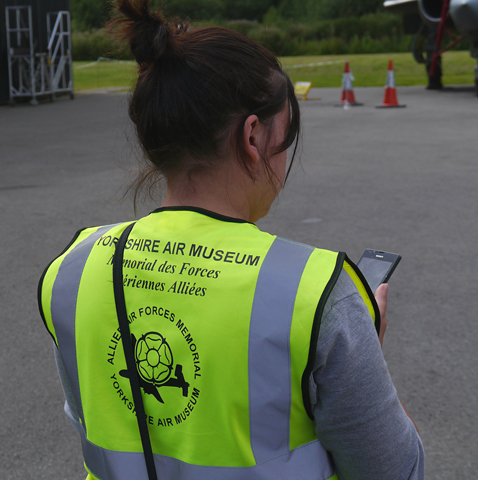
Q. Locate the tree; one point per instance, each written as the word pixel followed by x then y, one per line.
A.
pixel 248 9
pixel 329 9
pixel 89 14
pixel 192 9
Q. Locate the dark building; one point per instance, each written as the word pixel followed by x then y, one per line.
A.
pixel 40 9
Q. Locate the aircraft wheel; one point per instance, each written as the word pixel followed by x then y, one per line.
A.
pixel 434 82
pixel 476 78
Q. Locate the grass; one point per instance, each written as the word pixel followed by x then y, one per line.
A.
pixel 368 70
pixel 103 74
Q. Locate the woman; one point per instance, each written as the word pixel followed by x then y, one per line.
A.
pixel 239 355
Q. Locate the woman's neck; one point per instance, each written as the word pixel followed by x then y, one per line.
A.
pixel 223 191
pixel 211 203
pixel 228 190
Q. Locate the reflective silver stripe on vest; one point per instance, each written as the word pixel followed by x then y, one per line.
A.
pixel 309 462
pixel 63 307
pixel 269 352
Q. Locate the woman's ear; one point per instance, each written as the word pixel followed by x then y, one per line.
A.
pixel 251 133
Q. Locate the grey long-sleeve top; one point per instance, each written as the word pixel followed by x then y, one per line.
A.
pixel 358 416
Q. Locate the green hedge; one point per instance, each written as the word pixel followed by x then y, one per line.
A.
pixel 94 44
pixel 373 33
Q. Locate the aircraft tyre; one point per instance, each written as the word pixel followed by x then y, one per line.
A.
pixel 434 82
pixel 476 80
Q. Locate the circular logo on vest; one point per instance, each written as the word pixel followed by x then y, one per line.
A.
pixel 154 359
pixel 154 363
pixel 163 341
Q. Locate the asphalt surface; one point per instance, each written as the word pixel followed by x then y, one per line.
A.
pixel 403 180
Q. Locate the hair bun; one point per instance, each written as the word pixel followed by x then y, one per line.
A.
pixel 150 36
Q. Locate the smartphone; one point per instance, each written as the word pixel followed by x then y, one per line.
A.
pixel 377 266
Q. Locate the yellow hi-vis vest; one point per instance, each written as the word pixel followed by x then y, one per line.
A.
pixel 224 321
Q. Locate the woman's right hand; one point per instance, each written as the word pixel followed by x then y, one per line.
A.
pixel 381 298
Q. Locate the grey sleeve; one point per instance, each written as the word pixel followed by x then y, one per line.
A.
pixel 357 414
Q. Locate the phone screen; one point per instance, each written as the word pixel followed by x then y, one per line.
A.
pixel 374 271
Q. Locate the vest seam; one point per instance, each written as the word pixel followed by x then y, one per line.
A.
pixel 289 371
pixel 314 337
pixel 292 242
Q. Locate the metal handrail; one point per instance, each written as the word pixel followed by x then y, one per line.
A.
pixel 54 33
pixel 58 35
pixel 55 28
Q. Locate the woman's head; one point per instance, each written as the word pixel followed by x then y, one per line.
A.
pixel 197 88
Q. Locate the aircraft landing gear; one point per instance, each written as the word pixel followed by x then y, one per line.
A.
pixel 434 81
pixel 476 80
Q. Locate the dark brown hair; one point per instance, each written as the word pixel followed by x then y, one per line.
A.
pixel 196 88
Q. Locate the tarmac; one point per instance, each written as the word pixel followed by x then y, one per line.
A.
pixel 402 180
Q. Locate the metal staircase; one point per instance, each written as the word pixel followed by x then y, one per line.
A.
pixel 32 73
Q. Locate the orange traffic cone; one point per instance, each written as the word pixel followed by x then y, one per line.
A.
pixel 390 98
pixel 348 96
